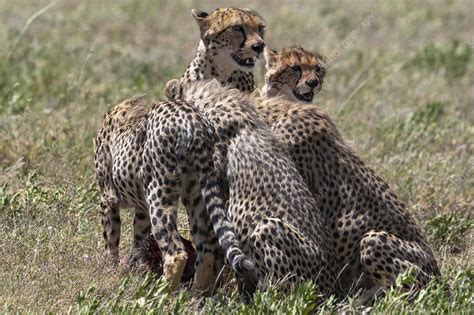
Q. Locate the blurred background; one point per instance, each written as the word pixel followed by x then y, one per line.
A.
pixel 399 85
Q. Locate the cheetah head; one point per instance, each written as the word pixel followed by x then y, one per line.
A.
pixel 233 36
pixel 294 73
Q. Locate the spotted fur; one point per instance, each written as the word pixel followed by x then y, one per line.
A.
pixel 294 73
pixel 270 207
pixel 228 35
pixel 229 38
pixel 146 158
pixel 374 236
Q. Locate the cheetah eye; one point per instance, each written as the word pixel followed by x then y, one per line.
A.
pixel 261 29
pixel 237 28
pixel 296 68
pixel 318 68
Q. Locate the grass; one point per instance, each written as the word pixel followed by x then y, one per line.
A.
pixel 401 89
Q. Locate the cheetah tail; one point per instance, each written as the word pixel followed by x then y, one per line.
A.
pixel 213 194
pixel 244 267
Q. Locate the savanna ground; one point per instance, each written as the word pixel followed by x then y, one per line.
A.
pixel 400 85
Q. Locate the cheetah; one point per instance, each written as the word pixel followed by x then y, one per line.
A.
pixel 294 73
pixel 143 157
pixel 375 237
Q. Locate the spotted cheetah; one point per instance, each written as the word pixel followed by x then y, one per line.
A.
pixel 144 158
pixel 294 73
pixel 371 230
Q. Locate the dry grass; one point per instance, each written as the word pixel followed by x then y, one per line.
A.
pixel 400 88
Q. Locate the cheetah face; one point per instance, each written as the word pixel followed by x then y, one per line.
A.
pixel 234 36
pixel 294 73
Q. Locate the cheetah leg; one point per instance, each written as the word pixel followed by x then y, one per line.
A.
pixel 384 257
pixel 111 227
pixel 203 236
pixel 162 197
pixel 141 230
pixel 287 257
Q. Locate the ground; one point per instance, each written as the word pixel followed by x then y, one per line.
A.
pixel 399 84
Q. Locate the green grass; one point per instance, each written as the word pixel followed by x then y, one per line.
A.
pixel 401 90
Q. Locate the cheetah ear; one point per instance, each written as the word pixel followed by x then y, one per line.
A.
pixel 247 10
pixel 202 19
pixel 172 89
pixel 199 15
pixel 270 58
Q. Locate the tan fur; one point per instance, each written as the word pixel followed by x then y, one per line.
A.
pixel 147 158
pixel 373 234
pixel 271 208
pixel 128 113
pixel 223 18
pixel 294 73
pixel 205 276
pixel 231 42
pixel 173 268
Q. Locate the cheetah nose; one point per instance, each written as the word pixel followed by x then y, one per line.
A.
pixel 312 83
pixel 258 47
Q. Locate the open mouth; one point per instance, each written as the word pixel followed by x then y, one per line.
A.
pixel 245 62
pixel 305 97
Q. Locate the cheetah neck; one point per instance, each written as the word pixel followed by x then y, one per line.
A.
pixel 207 66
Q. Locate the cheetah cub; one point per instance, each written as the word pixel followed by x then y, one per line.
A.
pixel 293 73
pixel 145 158
pixel 375 237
